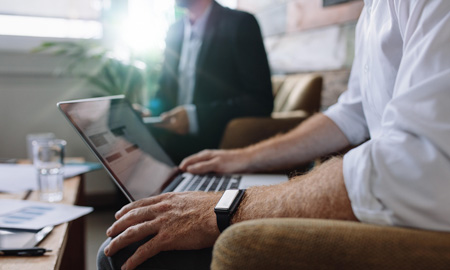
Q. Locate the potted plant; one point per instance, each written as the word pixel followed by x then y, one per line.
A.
pixel 135 78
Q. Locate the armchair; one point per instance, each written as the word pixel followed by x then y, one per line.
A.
pixel 328 244
pixel 289 243
pixel 296 97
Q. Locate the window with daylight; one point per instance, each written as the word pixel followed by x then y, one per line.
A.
pixel 73 19
pixel 146 24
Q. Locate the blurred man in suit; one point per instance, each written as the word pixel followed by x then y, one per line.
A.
pixel 215 69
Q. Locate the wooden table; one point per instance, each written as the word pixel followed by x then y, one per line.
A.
pixel 67 240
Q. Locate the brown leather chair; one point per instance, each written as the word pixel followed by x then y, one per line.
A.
pixel 296 97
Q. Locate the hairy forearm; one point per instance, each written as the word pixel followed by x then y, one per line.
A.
pixel 315 137
pixel 318 194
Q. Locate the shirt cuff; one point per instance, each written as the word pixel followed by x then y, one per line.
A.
pixel 191 111
pixel 350 124
pixel 358 177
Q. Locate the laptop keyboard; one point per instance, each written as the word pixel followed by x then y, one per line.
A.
pixel 212 182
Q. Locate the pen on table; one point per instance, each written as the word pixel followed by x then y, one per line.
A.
pixel 36 251
pixel 27 194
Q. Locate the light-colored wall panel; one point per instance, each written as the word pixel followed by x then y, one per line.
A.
pixel 273 21
pixel 303 36
pixel 307 14
pixel 318 49
pixel 30 64
pixel 255 6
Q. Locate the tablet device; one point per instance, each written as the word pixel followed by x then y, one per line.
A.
pixel 18 239
pixel 152 120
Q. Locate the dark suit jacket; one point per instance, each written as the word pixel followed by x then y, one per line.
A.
pixel 232 73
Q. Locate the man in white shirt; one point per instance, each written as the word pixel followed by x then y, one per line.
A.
pixel 396 109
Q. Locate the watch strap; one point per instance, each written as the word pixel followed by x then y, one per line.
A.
pixel 224 216
pixel 223 221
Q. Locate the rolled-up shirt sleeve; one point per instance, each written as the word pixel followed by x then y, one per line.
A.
pixel 402 177
pixel 348 113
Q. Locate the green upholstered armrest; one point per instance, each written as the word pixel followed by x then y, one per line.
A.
pixel 324 244
pixel 241 132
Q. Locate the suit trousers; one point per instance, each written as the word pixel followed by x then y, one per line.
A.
pixel 167 260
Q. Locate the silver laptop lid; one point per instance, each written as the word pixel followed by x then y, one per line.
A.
pixel 122 143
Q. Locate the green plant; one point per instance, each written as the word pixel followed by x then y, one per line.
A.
pixel 110 76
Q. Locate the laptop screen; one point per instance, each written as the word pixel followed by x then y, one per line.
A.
pixel 118 137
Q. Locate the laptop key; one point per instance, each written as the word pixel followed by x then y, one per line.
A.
pixel 225 182
pixel 205 183
pixel 188 182
pixel 234 184
pixel 214 185
pixel 196 183
pixel 236 180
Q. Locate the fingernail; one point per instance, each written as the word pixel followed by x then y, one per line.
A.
pixel 123 267
pixel 107 251
pixel 108 232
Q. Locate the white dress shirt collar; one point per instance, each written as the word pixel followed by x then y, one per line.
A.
pixel 197 29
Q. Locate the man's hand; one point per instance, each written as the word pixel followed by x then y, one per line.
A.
pixel 175 120
pixel 219 161
pixel 315 137
pixel 143 111
pixel 178 221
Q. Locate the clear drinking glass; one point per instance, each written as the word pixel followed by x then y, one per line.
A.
pixel 48 158
pixel 37 137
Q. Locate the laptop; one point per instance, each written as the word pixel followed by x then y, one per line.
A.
pixel 139 166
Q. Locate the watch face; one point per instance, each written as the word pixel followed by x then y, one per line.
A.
pixel 227 199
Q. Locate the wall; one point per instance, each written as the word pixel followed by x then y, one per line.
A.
pixel 302 36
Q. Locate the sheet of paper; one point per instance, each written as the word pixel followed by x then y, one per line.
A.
pixel 30 215
pixel 22 177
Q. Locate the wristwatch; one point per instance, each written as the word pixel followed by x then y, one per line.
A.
pixel 227 206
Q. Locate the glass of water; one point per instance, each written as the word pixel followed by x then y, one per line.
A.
pixel 48 158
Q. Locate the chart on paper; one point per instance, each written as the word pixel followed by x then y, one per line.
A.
pixel 24 215
pixel 31 215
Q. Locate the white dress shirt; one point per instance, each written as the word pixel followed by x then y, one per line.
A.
pixel 399 99
pixel 192 43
